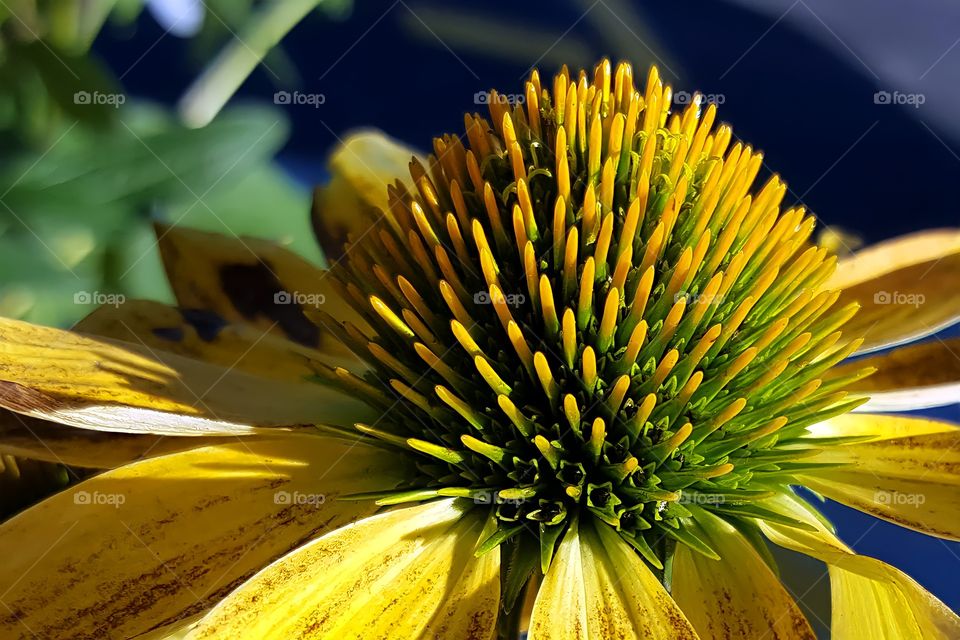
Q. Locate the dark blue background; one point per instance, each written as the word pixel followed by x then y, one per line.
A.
pixel 802 104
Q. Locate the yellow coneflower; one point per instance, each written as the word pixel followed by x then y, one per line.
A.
pixel 573 358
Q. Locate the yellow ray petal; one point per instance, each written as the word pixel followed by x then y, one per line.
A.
pixel 916 376
pixel 114 386
pixel 356 195
pixel 737 596
pixel 598 587
pixel 158 540
pixel 407 573
pixel 878 427
pixel 907 288
pixel 891 606
pixel 908 474
pixel 252 281
pixel 44 441
pixel 203 335
pixel 913 449
pixel 871 599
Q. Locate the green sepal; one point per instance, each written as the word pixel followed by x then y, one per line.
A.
pixel 607 510
pixel 640 544
pixel 710 496
pixel 548 539
pixel 792 468
pixel 520 565
pixel 674 510
pixel 649 494
pixel 381 434
pixel 497 538
pixel 415 495
pixel 377 495
pixel 761 513
pixel 683 534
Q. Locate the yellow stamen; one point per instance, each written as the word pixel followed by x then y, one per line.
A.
pixel 608 323
pixel 550 321
pixel 547 381
pixel 390 317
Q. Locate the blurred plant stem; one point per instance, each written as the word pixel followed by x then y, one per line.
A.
pixel 221 79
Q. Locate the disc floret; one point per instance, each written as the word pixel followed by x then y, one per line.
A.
pixel 585 310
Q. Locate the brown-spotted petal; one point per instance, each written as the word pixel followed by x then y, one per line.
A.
pixel 871 599
pixel 737 596
pixel 407 573
pixel 253 281
pixel 153 542
pixel 204 335
pixel 109 385
pixel 907 473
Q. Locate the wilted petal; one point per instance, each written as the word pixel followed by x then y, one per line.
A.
pixel 916 376
pixel 247 280
pixel 204 335
pixel 907 288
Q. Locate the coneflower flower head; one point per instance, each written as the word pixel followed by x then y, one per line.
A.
pixel 593 352
pixel 585 309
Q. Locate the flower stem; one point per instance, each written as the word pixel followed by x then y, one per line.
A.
pixel 209 92
pixel 508 625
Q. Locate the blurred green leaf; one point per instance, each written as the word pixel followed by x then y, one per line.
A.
pixel 266 204
pixel 43 85
pixel 76 217
pixel 72 81
pixel 148 156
